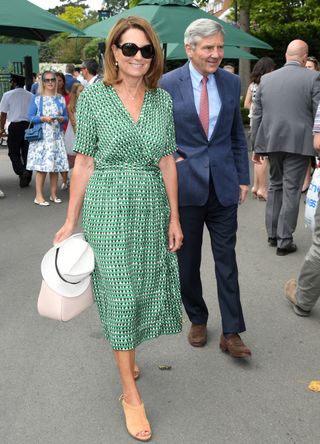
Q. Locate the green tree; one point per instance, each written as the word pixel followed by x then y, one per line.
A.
pixel 280 21
pixel 277 22
pixel 115 6
pixel 61 49
pixel 74 15
pixel 133 3
pixel 60 9
pixel 91 49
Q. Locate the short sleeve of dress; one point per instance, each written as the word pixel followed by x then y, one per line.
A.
pixel 170 146
pixel 86 140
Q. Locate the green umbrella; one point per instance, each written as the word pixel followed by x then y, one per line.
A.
pixel 170 19
pixel 22 19
pixel 177 52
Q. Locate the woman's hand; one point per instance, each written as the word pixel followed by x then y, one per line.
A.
pixel 46 119
pixel 316 141
pixel 65 231
pixel 257 158
pixel 175 236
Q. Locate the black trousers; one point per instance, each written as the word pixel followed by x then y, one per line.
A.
pixel 222 225
pixel 17 146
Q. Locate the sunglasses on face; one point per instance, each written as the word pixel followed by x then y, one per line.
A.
pixel 131 49
pixel 53 79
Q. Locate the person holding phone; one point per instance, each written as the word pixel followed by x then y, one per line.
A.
pixel 49 154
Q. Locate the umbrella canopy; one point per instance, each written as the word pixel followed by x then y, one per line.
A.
pixel 170 19
pixel 19 18
pixel 177 52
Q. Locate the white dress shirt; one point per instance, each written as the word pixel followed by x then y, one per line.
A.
pixel 213 95
pixel 15 104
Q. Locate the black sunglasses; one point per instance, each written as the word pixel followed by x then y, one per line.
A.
pixel 53 79
pixel 131 49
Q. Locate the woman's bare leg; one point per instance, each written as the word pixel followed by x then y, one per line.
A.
pixel 261 173
pixel 64 175
pixel 53 185
pixel 125 361
pixel 40 178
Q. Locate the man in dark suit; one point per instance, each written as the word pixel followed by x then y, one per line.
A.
pixel 70 79
pixel 213 172
pixel 283 114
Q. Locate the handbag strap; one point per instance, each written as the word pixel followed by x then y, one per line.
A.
pixel 40 111
pixel 58 272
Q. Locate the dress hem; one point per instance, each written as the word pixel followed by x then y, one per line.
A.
pixel 145 339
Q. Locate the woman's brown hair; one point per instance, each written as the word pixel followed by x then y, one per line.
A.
pixel 314 61
pixel 63 91
pixel 156 67
pixel 74 96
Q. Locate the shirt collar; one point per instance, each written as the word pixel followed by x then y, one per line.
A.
pixel 196 75
pixel 93 79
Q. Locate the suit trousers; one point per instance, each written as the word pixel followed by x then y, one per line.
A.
pixel 222 225
pixel 17 146
pixel 287 173
pixel 308 290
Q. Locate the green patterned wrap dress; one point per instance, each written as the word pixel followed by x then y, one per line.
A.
pixel 126 214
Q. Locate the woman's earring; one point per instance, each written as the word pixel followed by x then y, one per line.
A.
pixel 116 64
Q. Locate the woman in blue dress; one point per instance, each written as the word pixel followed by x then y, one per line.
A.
pixel 49 154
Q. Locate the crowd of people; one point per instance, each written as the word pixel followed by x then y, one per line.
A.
pixel 152 165
pixel 20 107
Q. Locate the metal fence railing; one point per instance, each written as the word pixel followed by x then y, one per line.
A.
pixel 4 83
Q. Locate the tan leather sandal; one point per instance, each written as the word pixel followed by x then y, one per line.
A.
pixel 136 421
pixel 136 372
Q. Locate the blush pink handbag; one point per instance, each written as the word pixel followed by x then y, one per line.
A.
pixel 66 289
pixel 63 308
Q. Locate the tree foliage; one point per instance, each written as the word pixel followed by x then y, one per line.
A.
pixel 115 6
pixel 59 48
pixel 60 9
pixel 74 15
pixel 280 21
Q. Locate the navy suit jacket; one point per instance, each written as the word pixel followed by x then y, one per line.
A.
pixel 224 156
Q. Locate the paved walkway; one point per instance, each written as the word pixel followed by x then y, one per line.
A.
pixel 58 382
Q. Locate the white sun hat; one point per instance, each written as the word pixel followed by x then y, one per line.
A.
pixel 67 266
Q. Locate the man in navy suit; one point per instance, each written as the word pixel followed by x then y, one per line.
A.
pixel 213 172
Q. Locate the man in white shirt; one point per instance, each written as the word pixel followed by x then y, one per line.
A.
pixel 77 74
pixel 89 70
pixel 14 108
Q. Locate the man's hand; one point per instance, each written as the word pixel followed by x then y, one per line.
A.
pixel 243 193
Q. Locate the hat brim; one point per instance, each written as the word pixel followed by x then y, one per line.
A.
pixel 53 280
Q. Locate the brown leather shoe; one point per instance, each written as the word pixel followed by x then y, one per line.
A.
pixel 234 345
pixel 197 336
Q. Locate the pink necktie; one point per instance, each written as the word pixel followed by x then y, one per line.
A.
pixel 204 106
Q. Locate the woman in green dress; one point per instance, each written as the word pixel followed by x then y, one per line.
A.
pixel 125 182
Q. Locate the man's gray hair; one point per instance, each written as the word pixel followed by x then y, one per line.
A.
pixel 201 28
pixel 69 68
